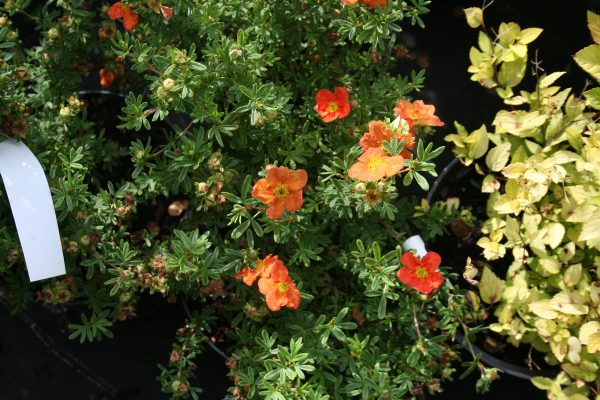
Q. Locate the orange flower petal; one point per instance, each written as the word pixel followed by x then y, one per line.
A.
pixel 409 260
pixel 130 20
pixel 341 95
pixel 262 191
pixel 167 12
pixel 323 97
pixel 344 110
pixel 275 210
pixel 297 180
pixel 431 261
pixel 294 201
pixel 116 11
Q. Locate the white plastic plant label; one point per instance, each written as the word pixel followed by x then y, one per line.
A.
pixel 32 208
pixel 415 243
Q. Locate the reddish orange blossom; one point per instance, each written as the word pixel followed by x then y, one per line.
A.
pixel 106 78
pixel 167 12
pixel 372 3
pixel 421 274
pixel 123 11
pixel 331 106
pixel 281 190
pixel 418 112
pixel 279 289
pixel 262 268
pixel 374 165
pixel 380 132
pixel 349 2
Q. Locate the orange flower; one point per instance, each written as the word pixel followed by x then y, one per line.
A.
pixel 279 289
pixel 418 112
pixel 167 12
pixel 281 190
pixel 380 132
pixel 373 2
pixel 374 165
pixel 119 10
pixel 332 106
pixel 349 2
pixel 107 76
pixel 262 268
pixel 421 274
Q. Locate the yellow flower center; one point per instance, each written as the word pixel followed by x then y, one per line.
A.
pixel 374 163
pixel 281 191
pixel 421 273
pixel 283 287
pixel 332 107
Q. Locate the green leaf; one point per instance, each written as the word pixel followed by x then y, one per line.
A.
pixel 421 181
pixel 239 231
pixel 381 309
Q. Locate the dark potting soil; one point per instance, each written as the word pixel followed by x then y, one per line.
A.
pixel 38 361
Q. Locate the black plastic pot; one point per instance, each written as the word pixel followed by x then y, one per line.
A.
pixel 489 359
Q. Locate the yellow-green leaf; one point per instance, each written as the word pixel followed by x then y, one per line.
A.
pixel 542 383
pixel 589 59
pixel 497 157
pixel 490 287
pixel 528 35
pixel 591 229
pixel 593 344
pixel 569 303
pixel 587 330
pixel 572 275
pixel 593 20
pixel 592 97
pixel 554 235
pixel 543 309
pixel 474 16
pixel 548 80
pixel 490 184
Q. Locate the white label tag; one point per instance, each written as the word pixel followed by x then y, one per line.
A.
pixel 32 208
pixel 415 243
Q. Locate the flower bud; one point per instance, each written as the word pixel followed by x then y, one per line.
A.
pixel 3 20
pixel 214 161
pixel 168 84
pixel 176 208
pixel 64 111
pixel 85 240
pixel 53 34
pixel 201 187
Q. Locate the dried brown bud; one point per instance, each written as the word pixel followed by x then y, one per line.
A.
pixel 176 208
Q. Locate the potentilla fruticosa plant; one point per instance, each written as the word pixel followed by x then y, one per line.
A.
pixel 257 170
pixel 541 169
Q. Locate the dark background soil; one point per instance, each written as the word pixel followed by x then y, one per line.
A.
pixel 126 366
